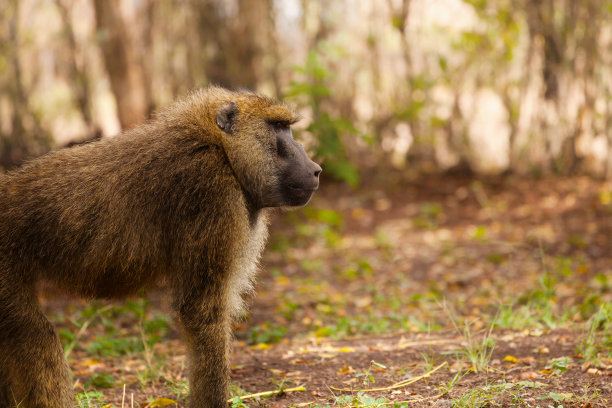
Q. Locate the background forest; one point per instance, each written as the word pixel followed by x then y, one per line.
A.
pixel 483 85
pixel 459 250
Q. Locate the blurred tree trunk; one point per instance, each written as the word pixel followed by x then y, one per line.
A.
pixel 272 47
pixel 423 150
pixel 568 32
pixel 233 41
pixel 399 19
pixel 174 61
pixel 146 55
pixel 214 37
pixel 543 26
pixel 122 63
pixel 77 72
pixel 250 29
pixel 26 137
pixel 546 24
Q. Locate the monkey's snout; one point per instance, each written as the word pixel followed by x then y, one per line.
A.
pixel 316 171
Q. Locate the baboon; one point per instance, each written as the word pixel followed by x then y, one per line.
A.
pixel 183 199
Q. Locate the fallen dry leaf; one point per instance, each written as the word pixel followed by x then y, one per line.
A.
pixel 161 402
pixel 511 359
pixel 346 370
pixel 528 375
pixel 530 360
pixel 261 346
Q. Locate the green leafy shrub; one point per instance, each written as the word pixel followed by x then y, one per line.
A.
pixel 327 129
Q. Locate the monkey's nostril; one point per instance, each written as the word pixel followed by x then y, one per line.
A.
pixel 317 169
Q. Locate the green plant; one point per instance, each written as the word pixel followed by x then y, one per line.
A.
pixel 367 376
pixel 179 388
pixel 268 332
pixel 360 269
pixel 288 307
pixel 111 346
pixel 155 328
pixel 372 322
pixel 599 334
pixel 321 225
pixel 477 352
pixel 540 303
pixel 87 317
pixel 100 380
pixel 327 128
pixel 238 403
pixel 152 370
pixel 479 397
pixel 430 359
pixel 151 331
pixel 90 399
pixel 429 216
pixel 556 397
pixel 360 400
pixel 588 396
pixel 558 365
pixel 446 388
pixel 510 316
pixel 493 395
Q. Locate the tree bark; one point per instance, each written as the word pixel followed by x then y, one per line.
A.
pixel 122 63
pixel 80 82
pixel 26 138
pixel 234 43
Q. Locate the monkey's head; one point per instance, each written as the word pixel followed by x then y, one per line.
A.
pixel 272 168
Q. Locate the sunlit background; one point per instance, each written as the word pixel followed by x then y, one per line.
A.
pixel 465 211
pixel 487 86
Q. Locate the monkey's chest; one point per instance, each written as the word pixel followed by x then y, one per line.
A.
pixel 244 266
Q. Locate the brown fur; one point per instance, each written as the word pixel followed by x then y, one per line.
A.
pixel 177 200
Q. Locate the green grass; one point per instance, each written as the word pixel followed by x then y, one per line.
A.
pixel 113 346
pixel 90 399
pixel 597 341
pixel 429 216
pixel 478 349
pixel 495 395
pixel 179 388
pixel 268 332
pixel 100 380
pixel 558 365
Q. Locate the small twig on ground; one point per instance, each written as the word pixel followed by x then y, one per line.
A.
pixel 419 399
pixel 396 385
pixel 123 397
pixel 304 404
pixel 269 393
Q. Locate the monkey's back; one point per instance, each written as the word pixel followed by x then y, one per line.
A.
pixel 108 217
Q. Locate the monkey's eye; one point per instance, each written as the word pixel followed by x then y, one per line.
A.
pixel 279 124
pixel 281 147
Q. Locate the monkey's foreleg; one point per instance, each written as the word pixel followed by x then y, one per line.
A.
pixel 206 328
pixel 33 371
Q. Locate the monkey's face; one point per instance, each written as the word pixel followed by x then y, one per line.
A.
pixel 272 168
pixel 298 175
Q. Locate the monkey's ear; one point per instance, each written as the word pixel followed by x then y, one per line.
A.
pixel 225 116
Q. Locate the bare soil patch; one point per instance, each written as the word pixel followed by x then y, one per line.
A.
pixel 387 283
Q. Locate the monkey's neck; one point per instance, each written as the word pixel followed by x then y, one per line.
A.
pixel 254 215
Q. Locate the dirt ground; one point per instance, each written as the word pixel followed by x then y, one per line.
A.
pixel 503 285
